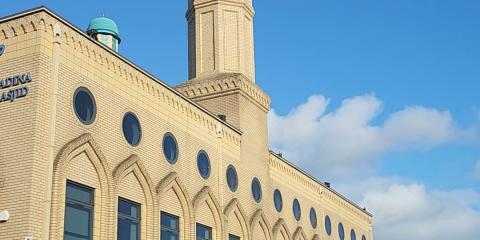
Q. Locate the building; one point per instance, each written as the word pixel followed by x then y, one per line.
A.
pixel 95 147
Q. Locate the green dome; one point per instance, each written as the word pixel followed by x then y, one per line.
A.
pixel 104 25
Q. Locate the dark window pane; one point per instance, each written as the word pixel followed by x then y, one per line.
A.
pixel 128 220
pixel 203 232
pixel 363 237
pixel 256 190
pixel 84 105
pixel 233 237
pixel 297 212
pixel 78 212
pixel 328 225
pixel 341 231
pixel 353 236
pixel 232 178
pixel 203 164
pixel 131 129
pixel 277 199
pixel 170 229
pixel 170 148
pixel 313 217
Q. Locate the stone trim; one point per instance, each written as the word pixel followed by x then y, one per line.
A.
pixel 279 225
pixel 299 234
pixel 206 194
pixel 259 217
pixel 212 85
pixel 232 207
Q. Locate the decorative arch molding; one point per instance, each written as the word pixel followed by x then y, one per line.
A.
pixel 81 145
pixel 234 207
pixel 279 225
pixel 134 165
pixel 299 234
pixel 206 194
pixel 259 217
pixel 172 182
pixel 316 237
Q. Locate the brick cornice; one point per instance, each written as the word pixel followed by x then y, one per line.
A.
pixel 222 83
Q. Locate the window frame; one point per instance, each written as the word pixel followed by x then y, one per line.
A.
pixel 177 151
pixel 205 227
pixel 164 228
pixel 140 130
pixel 234 188
pixel 94 102
pixel 125 216
pixel 76 204
pixel 207 175
pixel 256 180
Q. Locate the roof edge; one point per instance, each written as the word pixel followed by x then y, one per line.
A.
pixel 321 183
pixel 57 16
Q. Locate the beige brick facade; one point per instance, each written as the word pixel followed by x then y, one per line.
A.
pixel 44 144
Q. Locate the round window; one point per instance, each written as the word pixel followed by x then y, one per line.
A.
pixel 131 129
pixel 203 164
pixel 170 148
pixel 297 211
pixel 277 199
pixel 232 178
pixel 341 231
pixel 328 225
pixel 353 236
pixel 84 105
pixel 313 217
pixel 256 190
pixel 363 237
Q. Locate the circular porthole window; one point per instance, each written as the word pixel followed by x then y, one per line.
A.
pixel 170 148
pixel 328 225
pixel 353 236
pixel 131 129
pixel 203 164
pixel 256 190
pixel 297 211
pixel 277 199
pixel 232 178
pixel 313 218
pixel 84 105
pixel 341 231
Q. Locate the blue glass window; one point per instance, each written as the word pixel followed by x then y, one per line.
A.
pixel 233 237
pixel 363 237
pixel 78 212
pixel 328 225
pixel 170 227
pixel 341 231
pixel 256 190
pixel 297 211
pixel 232 178
pixel 170 148
pixel 131 129
pixel 313 217
pixel 128 220
pixel 203 164
pixel 203 232
pixel 353 236
pixel 84 105
pixel 277 200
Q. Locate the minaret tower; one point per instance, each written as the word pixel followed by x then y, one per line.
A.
pixel 220 37
pixel 222 75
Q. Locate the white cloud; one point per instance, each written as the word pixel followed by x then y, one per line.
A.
pixel 330 143
pixel 410 211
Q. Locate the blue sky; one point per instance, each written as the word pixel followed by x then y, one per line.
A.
pixel 388 56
